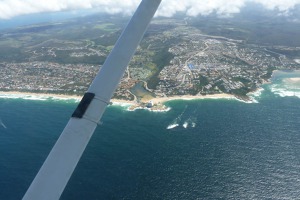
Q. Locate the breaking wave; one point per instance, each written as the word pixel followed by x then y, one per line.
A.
pixel 256 94
pixel 288 87
pixel 38 97
pixel 284 84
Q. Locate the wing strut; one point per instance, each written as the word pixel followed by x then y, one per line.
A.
pixel 56 171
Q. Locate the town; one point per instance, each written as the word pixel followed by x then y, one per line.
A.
pixel 209 65
pixel 171 61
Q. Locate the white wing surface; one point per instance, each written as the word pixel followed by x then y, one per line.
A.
pixel 56 171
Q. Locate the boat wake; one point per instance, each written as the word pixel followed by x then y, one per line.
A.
pixel 2 124
pixel 189 122
pixel 185 124
pixel 176 121
pixel 171 126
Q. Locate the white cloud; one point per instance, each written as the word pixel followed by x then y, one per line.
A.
pixel 281 5
pixel 196 7
pixel 12 8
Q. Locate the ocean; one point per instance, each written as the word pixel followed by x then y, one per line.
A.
pixel 199 149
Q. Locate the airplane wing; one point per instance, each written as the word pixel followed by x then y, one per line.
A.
pixel 56 171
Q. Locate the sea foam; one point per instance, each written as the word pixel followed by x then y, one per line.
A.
pixel 285 90
pixel 38 97
pixel 185 124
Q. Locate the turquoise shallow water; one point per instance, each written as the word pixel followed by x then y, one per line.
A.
pixel 220 149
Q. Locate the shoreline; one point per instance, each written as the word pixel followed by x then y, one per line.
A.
pixel 159 100
pixel 162 100
pixel 37 96
pixel 155 104
pixel 158 103
pixel 45 96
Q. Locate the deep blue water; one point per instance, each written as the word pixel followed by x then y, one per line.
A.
pixel 234 151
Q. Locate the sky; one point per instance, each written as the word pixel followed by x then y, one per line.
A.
pixel 14 8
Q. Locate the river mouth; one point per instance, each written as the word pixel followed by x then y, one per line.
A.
pixel 141 93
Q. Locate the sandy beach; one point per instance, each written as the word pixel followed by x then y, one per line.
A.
pixel 297 61
pixel 154 100
pixel 190 97
pixel 158 103
pixel 27 95
pixel 121 101
pixel 293 80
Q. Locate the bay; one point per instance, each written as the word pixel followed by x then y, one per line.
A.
pixel 200 149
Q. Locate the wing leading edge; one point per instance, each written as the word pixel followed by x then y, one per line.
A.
pixel 57 169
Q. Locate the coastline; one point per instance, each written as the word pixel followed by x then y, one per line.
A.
pixel 37 96
pixel 45 96
pixel 161 100
pixel 16 94
pixel 158 103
